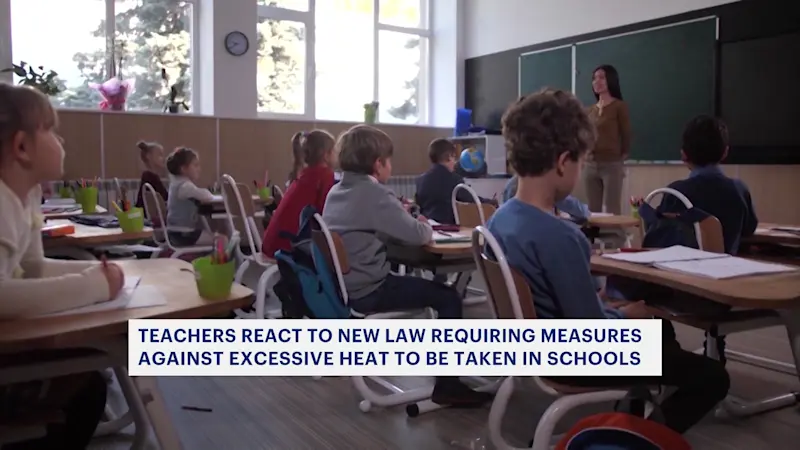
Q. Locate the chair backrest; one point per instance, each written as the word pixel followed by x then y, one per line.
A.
pixel 708 231
pixel 154 207
pixel 118 187
pixel 277 193
pixel 332 248
pixel 470 215
pixel 236 213
pixel 511 297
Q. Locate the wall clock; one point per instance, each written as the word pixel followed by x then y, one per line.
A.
pixel 236 43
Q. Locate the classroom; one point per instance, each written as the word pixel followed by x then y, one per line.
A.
pixel 200 138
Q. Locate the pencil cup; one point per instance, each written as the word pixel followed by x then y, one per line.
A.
pixel 131 221
pixel 214 281
pixel 265 194
pixel 66 192
pixel 87 198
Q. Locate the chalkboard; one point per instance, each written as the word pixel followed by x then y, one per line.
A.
pixel 546 68
pixel 667 77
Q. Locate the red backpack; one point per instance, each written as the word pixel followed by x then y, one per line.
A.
pixel 624 430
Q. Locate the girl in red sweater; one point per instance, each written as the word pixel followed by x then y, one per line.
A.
pixel 311 179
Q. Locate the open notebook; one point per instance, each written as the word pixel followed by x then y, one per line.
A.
pixel 131 296
pixel 691 261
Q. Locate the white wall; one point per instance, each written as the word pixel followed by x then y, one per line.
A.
pixel 496 25
pixel 446 69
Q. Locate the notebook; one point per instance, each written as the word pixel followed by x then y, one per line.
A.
pixel 600 214
pixel 724 268
pixel 131 296
pixel 442 237
pixel 793 230
pixel 669 254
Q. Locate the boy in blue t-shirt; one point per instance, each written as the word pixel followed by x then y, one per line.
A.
pixel 705 146
pixel 547 136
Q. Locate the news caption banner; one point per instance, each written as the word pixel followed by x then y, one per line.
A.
pixel 394 347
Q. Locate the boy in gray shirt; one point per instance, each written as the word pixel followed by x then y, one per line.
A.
pixel 365 212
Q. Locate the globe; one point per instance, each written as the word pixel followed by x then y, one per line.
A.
pixel 472 160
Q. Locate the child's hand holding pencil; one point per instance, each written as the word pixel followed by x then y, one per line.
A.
pixel 114 276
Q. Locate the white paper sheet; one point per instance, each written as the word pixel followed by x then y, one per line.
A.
pixel 131 296
pixel 669 254
pixel 724 268
pixel 600 214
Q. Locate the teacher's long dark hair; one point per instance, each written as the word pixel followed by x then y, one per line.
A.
pixel 612 81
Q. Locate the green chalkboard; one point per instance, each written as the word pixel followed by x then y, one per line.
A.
pixel 547 68
pixel 667 77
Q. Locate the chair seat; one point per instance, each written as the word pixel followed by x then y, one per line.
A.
pixel 565 389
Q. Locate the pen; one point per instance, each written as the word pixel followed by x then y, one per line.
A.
pixel 104 261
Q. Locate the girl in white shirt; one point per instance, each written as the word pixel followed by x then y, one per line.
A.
pixel 32 285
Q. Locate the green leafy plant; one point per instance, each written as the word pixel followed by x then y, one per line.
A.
pixel 46 81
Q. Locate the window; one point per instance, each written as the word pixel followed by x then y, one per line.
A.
pixel 297 5
pixel 345 64
pixel 78 52
pixel 145 38
pixel 324 59
pixel 399 76
pixel 281 66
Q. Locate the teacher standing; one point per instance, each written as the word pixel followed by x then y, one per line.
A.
pixel 605 164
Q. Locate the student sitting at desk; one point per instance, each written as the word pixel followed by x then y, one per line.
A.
pixel 152 156
pixel 315 150
pixel 185 225
pixel 569 205
pixel 364 211
pixel 435 187
pixel 547 136
pixel 32 285
pixel 705 146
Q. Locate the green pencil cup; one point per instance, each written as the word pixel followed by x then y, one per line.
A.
pixel 131 221
pixel 214 281
pixel 635 213
pixel 66 192
pixel 87 198
pixel 265 194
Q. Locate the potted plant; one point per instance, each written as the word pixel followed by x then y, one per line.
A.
pixel 371 112
pixel 46 81
pixel 175 102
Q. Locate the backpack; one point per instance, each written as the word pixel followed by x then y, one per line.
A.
pixel 664 230
pixel 306 287
pixel 624 429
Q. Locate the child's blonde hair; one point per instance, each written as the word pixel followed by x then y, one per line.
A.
pixel 361 147
pixel 24 109
pixel 309 148
pixel 146 147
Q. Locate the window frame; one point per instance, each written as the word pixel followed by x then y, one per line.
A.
pixel 110 65
pixel 308 19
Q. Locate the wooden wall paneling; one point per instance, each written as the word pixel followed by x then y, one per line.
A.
pixel 411 147
pixel 772 189
pixel 82 143
pixel 122 131
pixel 250 147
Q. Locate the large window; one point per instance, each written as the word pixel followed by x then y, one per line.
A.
pixel 324 59
pixel 145 39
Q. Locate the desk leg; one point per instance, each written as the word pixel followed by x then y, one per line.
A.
pixel 791 320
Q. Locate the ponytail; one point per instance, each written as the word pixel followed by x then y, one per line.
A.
pixel 298 158
pixel 309 149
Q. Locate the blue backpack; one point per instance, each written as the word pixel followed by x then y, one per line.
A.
pixel 306 287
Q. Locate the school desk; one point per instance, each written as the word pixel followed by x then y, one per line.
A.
pixel 67 213
pixel 88 236
pixel 778 292
pixel 767 234
pixel 104 335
